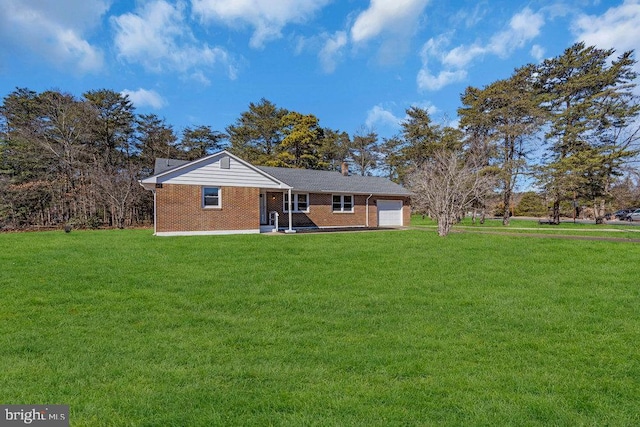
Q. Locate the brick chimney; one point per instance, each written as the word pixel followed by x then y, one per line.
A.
pixel 345 169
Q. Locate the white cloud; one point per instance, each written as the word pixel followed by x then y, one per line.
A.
pixel 332 50
pixel 267 17
pixel 428 81
pixel 379 116
pixel 435 47
pixel 200 78
pixel 471 17
pixel 157 37
pixel 523 27
pixel 391 23
pixel 618 28
pixel 425 105
pixel 537 52
pixel 399 16
pixel 461 56
pixel 145 98
pixel 55 33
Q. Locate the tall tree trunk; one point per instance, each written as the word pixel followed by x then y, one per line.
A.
pixel 556 211
pixel 507 203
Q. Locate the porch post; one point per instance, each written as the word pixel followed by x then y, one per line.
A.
pixel 290 230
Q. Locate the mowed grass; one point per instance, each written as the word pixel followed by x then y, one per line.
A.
pixel 329 329
pixel 611 229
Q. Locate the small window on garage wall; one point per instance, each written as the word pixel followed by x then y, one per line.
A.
pixel 211 197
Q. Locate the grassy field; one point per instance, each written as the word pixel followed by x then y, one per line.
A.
pixel 612 229
pixel 329 329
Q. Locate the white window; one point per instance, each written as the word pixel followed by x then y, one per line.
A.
pixel 211 197
pixel 299 202
pixel 342 203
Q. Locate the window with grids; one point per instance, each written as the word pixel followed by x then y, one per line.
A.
pixel 342 203
pixel 211 197
pixel 299 202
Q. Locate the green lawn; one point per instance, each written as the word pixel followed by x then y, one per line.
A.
pixel 615 229
pixel 328 329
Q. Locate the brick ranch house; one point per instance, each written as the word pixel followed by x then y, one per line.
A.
pixel 223 194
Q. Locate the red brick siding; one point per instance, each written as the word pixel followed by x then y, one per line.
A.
pixel 179 208
pixel 321 211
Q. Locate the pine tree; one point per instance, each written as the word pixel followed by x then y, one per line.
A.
pixel 200 141
pixel 591 106
pixel 257 134
pixel 507 115
pixel 301 143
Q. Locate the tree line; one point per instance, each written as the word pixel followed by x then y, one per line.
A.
pixel 74 161
pixel 567 125
pixel 77 161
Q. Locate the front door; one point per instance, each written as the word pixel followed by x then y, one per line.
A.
pixel 263 209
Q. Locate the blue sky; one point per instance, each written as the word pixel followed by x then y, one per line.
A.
pixel 356 64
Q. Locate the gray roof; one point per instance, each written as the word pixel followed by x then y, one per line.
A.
pixel 316 181
pixel 334 182
pixel 163 165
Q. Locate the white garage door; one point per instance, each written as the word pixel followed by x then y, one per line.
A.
pixel 389 213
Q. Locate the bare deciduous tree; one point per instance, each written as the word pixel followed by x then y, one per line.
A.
pixel 118 188
pixel 446 184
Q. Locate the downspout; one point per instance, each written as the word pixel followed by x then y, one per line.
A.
pixel 367 211
pixel 290 230
pixel 155 214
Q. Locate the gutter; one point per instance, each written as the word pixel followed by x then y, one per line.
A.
pixel 367 210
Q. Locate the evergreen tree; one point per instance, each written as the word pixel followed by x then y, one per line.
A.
pixel 22 158
pixel 506 114
pixel 257 134
pixel 300 145
pixel 334 149
pixel 114 124
pixel 531 204
pixel 392 159
pixel 200 141
pixel 422 138
pixel 591 106
pixel 364 151
pixel 154 138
